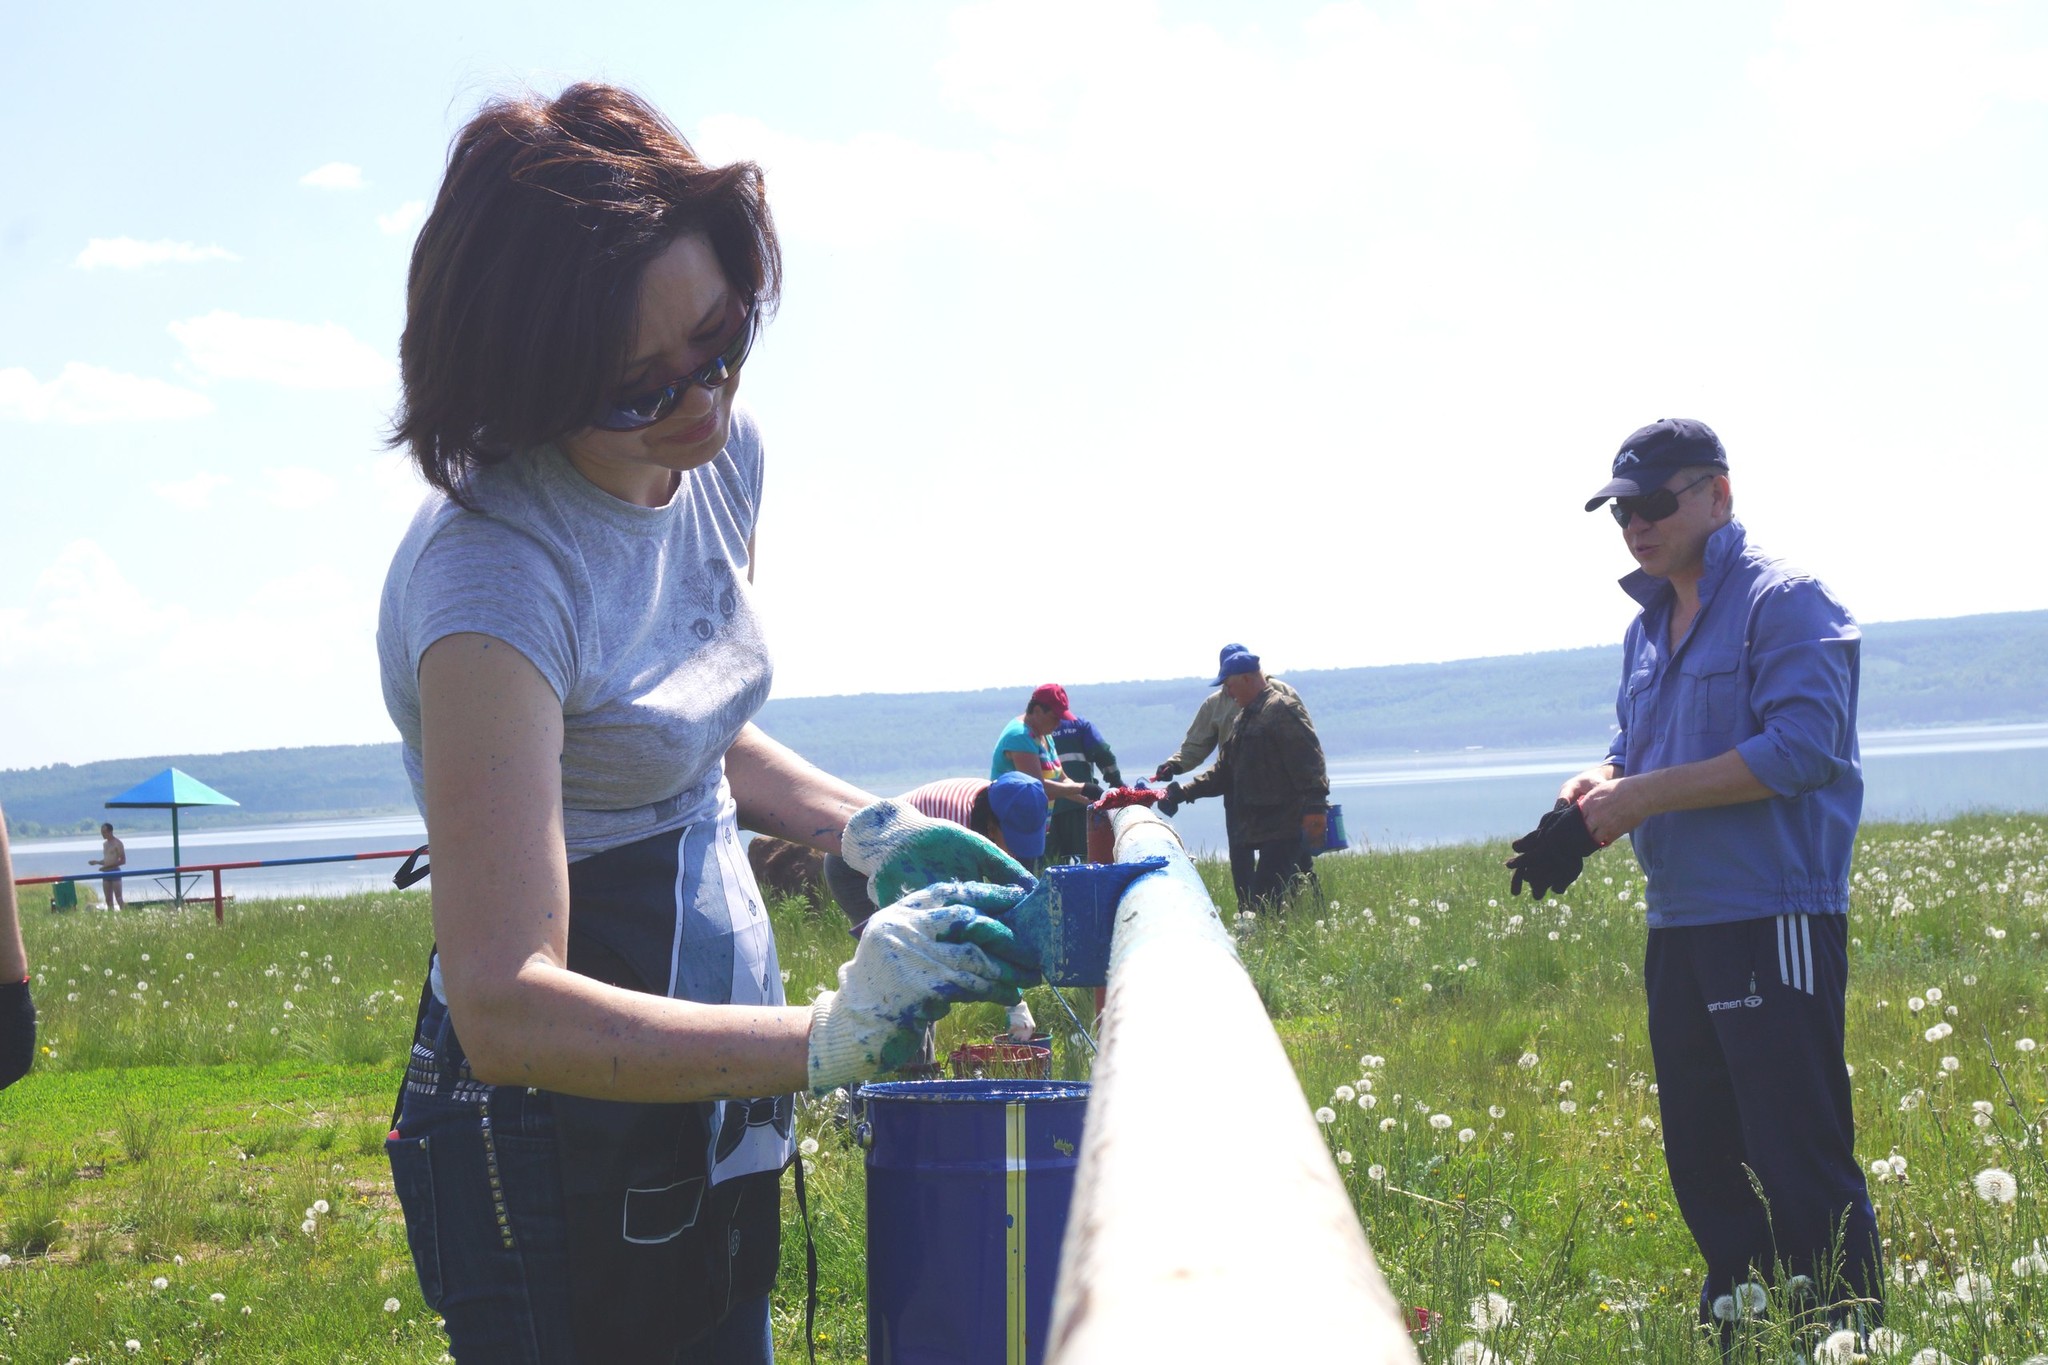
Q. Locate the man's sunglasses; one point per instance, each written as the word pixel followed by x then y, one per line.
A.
pixel 1651 506
pixel 645 409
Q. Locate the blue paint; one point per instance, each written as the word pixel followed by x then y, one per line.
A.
pixel 1069 919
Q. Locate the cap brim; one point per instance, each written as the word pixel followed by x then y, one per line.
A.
pixel 1619 488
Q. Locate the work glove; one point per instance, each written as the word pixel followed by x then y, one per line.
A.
pixel 900 850
pixel 1550 857
pixel 1091 791
pixel 930 949
pixel 17 1032
pixel 1315 830
pixel 1170 802
pixel 1022 1027
pixel 849 888
pixel 1166 771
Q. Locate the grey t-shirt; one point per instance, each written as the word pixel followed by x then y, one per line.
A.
pixel 638 617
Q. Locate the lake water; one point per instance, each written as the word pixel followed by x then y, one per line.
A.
pixel 1418 800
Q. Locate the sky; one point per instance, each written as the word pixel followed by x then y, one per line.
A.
pixel 1112 331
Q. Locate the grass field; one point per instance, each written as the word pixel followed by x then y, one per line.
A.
pixel 195 1170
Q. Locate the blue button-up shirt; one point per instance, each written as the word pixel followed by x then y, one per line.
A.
pixel 1769 668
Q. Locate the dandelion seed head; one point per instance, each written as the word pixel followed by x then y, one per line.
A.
pixel 160 1282
pixel 1326 1115
pixel 1343 1158
pixel 1495 1111
pixel 1439 1121
pixel 1995 1185
pixel 391 1305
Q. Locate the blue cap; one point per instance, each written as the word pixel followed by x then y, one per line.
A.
pixel 1018 800
pixel 1652 454
pixel 1236 659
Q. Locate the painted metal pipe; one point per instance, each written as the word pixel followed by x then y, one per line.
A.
pixel 1209 1220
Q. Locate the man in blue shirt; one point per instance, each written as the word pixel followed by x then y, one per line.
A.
pixel 1081 750
pixel 1735 772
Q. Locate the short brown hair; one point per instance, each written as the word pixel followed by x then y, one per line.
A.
pixel 520 301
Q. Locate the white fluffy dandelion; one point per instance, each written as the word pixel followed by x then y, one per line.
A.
pixel 1344 1094
pixel 217 1297
pixel 1375 1172
pixel 1368 1100
pixel 1343 1158
pixel 1466 1135
pixel 1916 1004
pixel 1495 1111
pixel 1840 1348
pixel 1326 1115
pixel 1567 1106
pixel 1995 1185
pixel 1439 1121
pixel 1974 1286
pixel 391 1305
pixel 1491 1310
pixel 159 1283
pixel 1951 1064
pixel 1750 1298
pixel 1527 1061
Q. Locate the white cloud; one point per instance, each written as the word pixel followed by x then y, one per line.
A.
pixel 395 485
pixel 194 494
pixel 335 175
pixel 1856 83
pixel 402 219
pixel 84 394
pixel 300 642
pixel 127 253
pixel 296 489
pixel 295 355
pixel 81 602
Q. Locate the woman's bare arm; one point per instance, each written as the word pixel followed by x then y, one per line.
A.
pixel 491 741
pixel 780 792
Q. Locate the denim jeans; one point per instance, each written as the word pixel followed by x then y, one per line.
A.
pixel 478 1174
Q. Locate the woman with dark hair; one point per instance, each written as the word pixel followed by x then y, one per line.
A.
pixel 598 1104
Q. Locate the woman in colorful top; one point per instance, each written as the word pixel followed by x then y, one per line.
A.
pixel 598 1105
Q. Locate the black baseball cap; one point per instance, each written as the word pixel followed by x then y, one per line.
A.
pixel 1652 454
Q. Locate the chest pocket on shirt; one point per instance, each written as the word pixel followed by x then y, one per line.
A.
pixel 1709 693
pixel 1637 705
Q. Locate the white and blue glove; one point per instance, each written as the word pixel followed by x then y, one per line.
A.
pixel 915 959
pixel 900 850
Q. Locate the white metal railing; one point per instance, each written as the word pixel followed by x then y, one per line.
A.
pixel 1208 1221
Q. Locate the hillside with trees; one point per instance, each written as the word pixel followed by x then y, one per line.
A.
pixel 1960 670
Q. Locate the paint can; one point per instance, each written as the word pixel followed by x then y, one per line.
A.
pixel 968 1187
pixel 1334 836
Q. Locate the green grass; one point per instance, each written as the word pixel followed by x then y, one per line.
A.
pixel 184 1119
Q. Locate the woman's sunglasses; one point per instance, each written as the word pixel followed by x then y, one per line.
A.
pixel 1651 506
pixel 645 409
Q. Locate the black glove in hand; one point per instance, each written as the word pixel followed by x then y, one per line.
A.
pixel 1170 802
pixel 1091 790
pixel 1550 857
pixel 17 1032
pixel 1166 771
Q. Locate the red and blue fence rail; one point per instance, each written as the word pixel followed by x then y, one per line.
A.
pixel 219 900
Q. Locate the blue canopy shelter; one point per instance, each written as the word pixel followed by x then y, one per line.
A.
pixel 172 789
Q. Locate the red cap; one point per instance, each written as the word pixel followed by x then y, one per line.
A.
pixel 1055 696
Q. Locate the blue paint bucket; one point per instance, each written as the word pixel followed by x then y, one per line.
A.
pixel 968 1187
